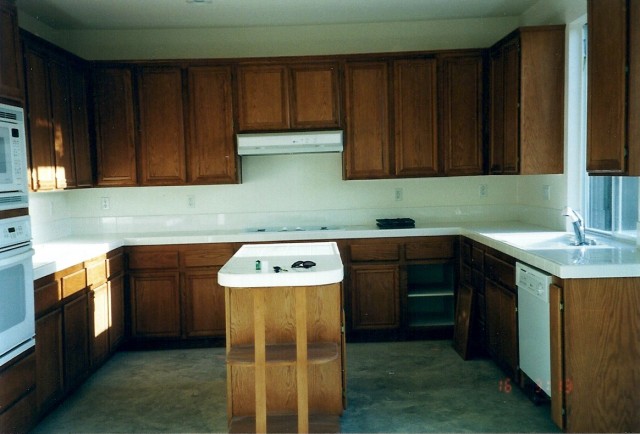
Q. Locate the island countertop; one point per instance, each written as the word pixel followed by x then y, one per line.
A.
pixel 255 265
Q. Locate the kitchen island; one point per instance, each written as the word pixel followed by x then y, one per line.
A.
pixel 284 338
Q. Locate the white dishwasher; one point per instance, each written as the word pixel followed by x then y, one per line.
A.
pixel 533 325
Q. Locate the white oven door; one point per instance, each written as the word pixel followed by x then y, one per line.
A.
pixel 17 319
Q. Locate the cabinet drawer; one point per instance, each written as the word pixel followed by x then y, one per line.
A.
pixel 209 256
pixel 47 294
pixel 477 258
pixel 375 252
pixel 140 259
pixel 115 265
pixel 74 282
pixel 500 271
pixel 17 380
pixel 433 248
pixel 96 272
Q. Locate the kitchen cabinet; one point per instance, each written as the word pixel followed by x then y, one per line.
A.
pixel 11 75
pixel 17 394
pixel 57 113
pixel 367 148
pixel 472 275
pixel 162 134
pixel 461 113
pixel 174 291
pixel 49 360
pixel 526 80
pixel 115 128
pixel 400 287
pixel 416 117
pixel 501 312
pixel 613 134
pixel 288 96
pixel 76 340
pixel 595 345
pixel 210 146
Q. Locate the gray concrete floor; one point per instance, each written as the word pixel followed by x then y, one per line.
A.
pixel 418 386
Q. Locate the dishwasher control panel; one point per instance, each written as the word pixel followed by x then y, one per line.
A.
pixel 532 280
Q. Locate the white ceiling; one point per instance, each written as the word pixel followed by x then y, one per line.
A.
pixel 157 14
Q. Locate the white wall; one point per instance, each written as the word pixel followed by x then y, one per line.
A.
pixel 301 189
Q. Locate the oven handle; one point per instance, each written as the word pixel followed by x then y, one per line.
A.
pixel 11 257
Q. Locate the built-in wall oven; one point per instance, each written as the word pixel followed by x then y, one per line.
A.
pixel 17 319
pixel 14 191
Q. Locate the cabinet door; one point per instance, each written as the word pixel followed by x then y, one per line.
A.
pixel 65 166
pixel 204 303
pixel 155 304
pixel 492 299
pixel 314 96
pixel 162 138
pixel 375 298
pixel 211 150
pixel 43 176
pixel 461 114
pixel 502 326
pixel 367 148
pixel 80 127
pixel 511 151
pixel 116 312
pixel 100 324
pixel 606 112
pixel 76 341
pixel 263 97
pixel 114 124
pixel 415 117
pixel 49 361
pixel 10 55
pixel 496 111
pixel 633 140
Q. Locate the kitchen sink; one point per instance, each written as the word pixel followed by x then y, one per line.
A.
pixel 550 241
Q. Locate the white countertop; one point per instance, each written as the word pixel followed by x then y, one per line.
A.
pixel 241 270
pixel 616 259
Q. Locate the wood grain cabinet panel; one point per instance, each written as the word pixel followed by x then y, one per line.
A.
pixel 62 134
pixel 114 126
pixel 155 301
pixel 314 96
pixel 49 360
pixel 162 133
pixel 367 149
pixel 375 297
pixel 526 80
pixel 11 75
pixel 210 145
pixel 461 113
pixel 263 95
pixel 76 341
pixel 415 116
pixel 204 303
pixel 83 166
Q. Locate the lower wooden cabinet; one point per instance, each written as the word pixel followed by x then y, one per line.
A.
pixel 49 360
pixel 76 341
pixel 204 303
pixel 155 304
pixel 502 326
pixel 375 297
pixel 17 393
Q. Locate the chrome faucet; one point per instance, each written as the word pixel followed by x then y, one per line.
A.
pixel 578 225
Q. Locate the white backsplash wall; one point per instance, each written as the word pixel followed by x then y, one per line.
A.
pixel 290 190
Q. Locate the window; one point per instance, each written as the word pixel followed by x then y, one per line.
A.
pixel 610 202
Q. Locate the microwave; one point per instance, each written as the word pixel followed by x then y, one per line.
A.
pixel 14 189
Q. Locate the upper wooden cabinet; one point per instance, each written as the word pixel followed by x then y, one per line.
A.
pixel 415 115
pixel 115 126
pixel 367 149
pixel 57 112
pixel 461 106
pixel 527 102
pixel 11 76
pixel 613 129
pixel 210 147
pixel 162 133
pixel 282 97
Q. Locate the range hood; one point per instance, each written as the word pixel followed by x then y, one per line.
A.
pixel 289 143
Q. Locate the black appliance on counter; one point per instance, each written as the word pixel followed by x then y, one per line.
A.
pixel 398 223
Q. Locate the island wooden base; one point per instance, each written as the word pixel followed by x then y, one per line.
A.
pixel 287 424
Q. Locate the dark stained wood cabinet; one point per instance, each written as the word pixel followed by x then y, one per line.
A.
pixel 11 75
pixel 367 148
pixel 162 133
pixel 283 96
pixel 526 80
pixel 461 113
pixel 61 123
pixel 613 134
pixel 210 145
pixel 17 394
pixel 416 116
pixel 76 341
pixel 49 360
pixel 78 95
pixel 114 126
pixel 375 293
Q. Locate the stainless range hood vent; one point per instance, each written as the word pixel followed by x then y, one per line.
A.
pixel 303 142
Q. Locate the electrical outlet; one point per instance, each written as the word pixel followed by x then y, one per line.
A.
pixel 398 194
pixel 105 203
pixel 546 192
pixel 191 201
pixel 483 190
